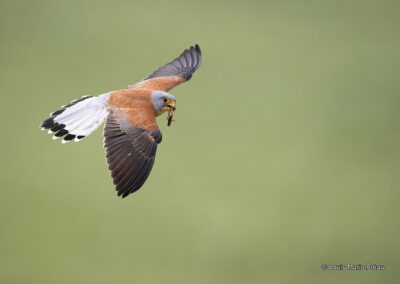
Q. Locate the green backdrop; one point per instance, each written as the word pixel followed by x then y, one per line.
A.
pixel 284 154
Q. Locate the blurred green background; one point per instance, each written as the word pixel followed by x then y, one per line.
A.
pixel 284 154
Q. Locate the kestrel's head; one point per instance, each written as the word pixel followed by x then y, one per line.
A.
pixel 163 101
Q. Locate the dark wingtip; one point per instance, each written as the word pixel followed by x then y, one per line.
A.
pixel 197 47
pixel 123 194
pixel 199 56
pixel 183 66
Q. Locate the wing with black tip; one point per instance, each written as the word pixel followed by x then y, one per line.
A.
pixel 175 72
pixel 130 153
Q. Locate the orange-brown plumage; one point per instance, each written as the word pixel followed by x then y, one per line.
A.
pixel 131 134
pixel 136 105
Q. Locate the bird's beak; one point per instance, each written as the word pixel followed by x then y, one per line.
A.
pixel 171 104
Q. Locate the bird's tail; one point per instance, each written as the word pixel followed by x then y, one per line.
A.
pixel 78 119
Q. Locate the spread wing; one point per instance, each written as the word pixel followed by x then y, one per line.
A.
pixel 130 152
pixel 175 72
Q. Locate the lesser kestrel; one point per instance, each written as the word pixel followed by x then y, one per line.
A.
pixel 131 134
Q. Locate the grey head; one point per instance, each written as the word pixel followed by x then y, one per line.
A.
pixel 162 101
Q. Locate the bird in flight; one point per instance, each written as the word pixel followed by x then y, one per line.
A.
pixel 131 133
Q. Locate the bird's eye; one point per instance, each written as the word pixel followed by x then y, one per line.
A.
pixel 165 100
